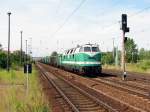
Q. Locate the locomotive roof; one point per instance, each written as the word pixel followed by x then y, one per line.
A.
pixel 79 46
pixel 90 45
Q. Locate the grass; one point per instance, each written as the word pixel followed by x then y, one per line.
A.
pixel 141 67
pixel 11 77
pixel 13 97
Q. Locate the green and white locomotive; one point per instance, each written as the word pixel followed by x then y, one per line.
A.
pixel 82 59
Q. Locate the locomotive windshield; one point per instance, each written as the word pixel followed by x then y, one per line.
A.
pixel 87 49
pixel 95 49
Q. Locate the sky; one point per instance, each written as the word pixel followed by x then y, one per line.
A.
pixel 57 25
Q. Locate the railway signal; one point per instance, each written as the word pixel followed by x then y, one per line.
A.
pixel 124 23
pixel 124 29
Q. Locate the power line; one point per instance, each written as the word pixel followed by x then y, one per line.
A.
pixel 141 11
pixel 67 19
pixel 58 7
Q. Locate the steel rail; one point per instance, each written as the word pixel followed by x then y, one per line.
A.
pixel 59 90
pixel 101 103
pixel 132 107
pixel 118 85
pixel 125 83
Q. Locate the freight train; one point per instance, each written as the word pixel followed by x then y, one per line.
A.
pixel 82 59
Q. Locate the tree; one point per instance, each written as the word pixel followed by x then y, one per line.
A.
pixel 3 59
pixel 15 57
pixel 107 58
pixel 144 54
pixel 1 47
pixel 131 51
pixel 54 53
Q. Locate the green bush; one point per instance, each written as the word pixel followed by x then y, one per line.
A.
pixel 107 58
pixel 145 64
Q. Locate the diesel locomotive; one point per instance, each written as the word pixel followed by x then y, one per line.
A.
pixel 81 59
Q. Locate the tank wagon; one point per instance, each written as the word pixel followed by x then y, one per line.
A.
pixel 82 59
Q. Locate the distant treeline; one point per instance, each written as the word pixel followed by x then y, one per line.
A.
pixel 139 57
pixel 133 54
pixel 14 58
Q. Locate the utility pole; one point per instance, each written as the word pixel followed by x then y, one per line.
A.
pixel 116 57
pixel 26 52
pixel 27 78
pixel 30 49
pixel 21 49
pixel 8 57
pixel 113 50
pixel 124 29
pixel 123 55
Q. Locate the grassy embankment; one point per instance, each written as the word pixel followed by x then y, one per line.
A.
pixel 141 67
pixel 13 97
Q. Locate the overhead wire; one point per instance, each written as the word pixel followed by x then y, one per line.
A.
pixel 71 14
pixel 141 11
pixel 81 3
pixel 135 14
pixel 68 17
pixel 58 7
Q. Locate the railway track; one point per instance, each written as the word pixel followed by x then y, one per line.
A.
pixel 122 105
pixel 78 100
pixel 58 104
pixel 143 78
pixel 133 89
pixel 134 84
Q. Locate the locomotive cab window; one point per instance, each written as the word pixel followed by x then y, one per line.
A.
pixel 95 49
pixel 87 49
pixel 81 49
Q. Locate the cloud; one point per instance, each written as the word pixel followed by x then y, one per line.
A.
pixel 94 22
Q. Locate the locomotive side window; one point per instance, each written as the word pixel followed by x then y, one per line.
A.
pixel 67 51
pixel 74 50
pixel 81 49
pixel 95 49
pixel 87 49
pixel 71 51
